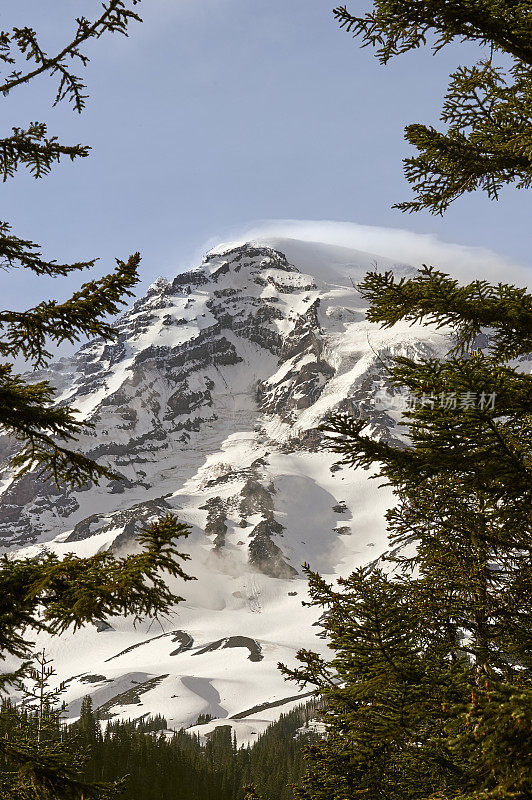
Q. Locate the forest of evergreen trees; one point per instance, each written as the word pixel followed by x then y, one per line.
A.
pixel 154 765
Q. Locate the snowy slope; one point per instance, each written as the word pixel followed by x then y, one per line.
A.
pixel 208 404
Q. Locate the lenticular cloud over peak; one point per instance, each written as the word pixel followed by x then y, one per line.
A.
pixel 398 244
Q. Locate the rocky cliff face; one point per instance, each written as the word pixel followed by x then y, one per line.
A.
pixel 208 403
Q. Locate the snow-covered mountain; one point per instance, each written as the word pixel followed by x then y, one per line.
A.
pixel 208 404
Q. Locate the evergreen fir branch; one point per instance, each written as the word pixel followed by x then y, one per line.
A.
pixel 114 18
pixel 437 299
pixel 456 516
pixel 32 149
pixel 74 591
pixel 433 454
pixel 44 458
pixel 52 595
pixel 5 48
pixel 26 333
pixel 343 431
pixel 15 252
pixel 27 413
pixel 488 141
pixel 453 164
pixel 397 26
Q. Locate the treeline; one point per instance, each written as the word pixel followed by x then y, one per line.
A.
pixel 156 766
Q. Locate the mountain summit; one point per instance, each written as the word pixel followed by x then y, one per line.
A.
pixel 208 403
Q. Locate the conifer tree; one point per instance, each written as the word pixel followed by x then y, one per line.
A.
pixel 45 593
pixel 488 137
pixel 429 692
pixel 87 723
pixel 36 739
pixel 88 732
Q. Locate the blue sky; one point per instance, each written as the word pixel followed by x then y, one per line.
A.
pixel 215 114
